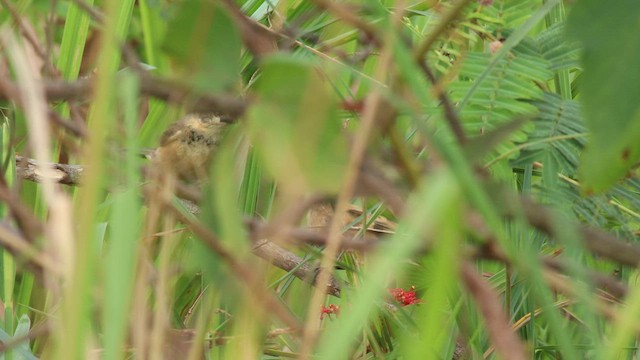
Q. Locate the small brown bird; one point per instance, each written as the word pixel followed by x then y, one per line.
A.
pixel 187 146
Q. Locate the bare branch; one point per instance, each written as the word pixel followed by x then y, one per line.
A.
pixel 28 169
pixel 288 261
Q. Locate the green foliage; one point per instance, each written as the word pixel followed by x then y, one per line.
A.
pixel 499 97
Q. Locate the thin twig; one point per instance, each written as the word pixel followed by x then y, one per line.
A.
pixel 374 182
pixel 243 272
pixel 606 283
pixel 90 10
pixel 490 249
pixel 445 23
pixel 165 89
pixel 316 236
pixel 38 261
pixel 259 41
pixel 596 240
pixel 9 91
pixel 506 342
pixel 30 226
pixel 450 114
pixel 347 15
pixel 25 30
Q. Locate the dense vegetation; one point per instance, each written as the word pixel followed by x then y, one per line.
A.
pixel 462 175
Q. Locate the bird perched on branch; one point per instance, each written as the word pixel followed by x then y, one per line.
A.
pixel 187 146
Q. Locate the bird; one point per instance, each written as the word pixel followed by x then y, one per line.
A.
pixel 187 147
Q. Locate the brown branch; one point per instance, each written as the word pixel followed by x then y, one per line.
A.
pixel 78 129
pixel 30 226
pixel 490 249
pixel 444 24
pixel 9 91
pixel 257 39
pixel 70 175
pixel 347 15
pixel 372 181
pixel 37 261
pixel 25 30
pixel 177 92
pixel 506 342
pixel 28 169
pixel 288 261
pixel 596 240
pixel 242 271
pixel 565 285
pixel 606 283
pixel 90 10
pixel 351 239
pixel 165 89
pixel 545 220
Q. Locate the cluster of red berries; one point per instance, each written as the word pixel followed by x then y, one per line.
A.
pixel 332 309
pixel 405 298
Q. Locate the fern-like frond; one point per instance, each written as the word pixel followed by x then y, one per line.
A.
pixel 510 13
pixel 504 94
pixel 555 47
pixel 557 139
pixel 613 210
pixel 558 134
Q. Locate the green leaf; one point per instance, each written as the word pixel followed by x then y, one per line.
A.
pixel 295 127
pixel 611 83
pixel 206 43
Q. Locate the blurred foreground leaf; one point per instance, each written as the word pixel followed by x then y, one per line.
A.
pixel 205 42
pixel 294 126
pixel 611 51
